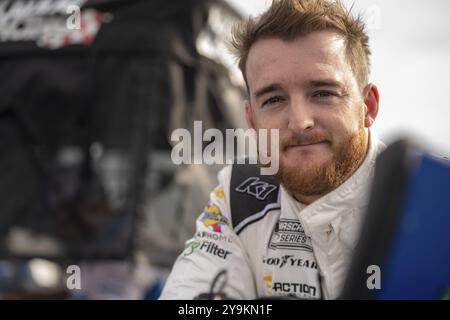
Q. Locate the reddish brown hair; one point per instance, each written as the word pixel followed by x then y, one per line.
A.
pixel 288 19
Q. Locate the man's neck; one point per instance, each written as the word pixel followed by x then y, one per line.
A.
pixel 307 200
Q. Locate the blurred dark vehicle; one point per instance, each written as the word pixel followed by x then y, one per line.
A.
pixel 85 121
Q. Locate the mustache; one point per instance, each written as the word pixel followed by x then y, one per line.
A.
pixel 303 139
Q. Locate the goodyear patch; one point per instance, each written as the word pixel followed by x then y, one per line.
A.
pixel 213 219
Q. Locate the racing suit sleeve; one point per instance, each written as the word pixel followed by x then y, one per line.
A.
pixel 214 247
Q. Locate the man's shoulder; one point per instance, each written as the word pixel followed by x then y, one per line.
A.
pixel 236 173
pixel 251 195
pixel 246 180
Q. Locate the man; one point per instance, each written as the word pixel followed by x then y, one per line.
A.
pixel 306 66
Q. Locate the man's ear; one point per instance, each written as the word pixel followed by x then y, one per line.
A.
pixel 371 101
pixel 249 115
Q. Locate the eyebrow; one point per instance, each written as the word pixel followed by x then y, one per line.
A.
pixel 326 83
pixel 313 84
pixel 267 89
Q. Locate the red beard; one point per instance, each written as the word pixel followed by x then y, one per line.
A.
pixel 323 178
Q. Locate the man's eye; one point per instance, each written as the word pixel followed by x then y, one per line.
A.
pixel 323 94
pixel 272 100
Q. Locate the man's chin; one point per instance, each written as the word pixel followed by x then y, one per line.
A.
pixel 307 180
pixel 304 163
pixel 319 172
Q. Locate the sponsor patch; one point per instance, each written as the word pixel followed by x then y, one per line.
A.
pixel 219 192
pixel 289 260
pixel 212 236
pixel 289 234
pixel 257 188
pixel 213 219
pixel 208 247
pixel 268 284
pixel 298 289
pixel 289 288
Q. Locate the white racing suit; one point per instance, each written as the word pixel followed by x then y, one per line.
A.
pixel 270 244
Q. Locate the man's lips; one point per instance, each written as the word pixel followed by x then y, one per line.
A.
pixel 305 144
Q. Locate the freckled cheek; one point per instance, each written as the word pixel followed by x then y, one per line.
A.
pixel 335 128
pixel 341 133
pixel 349 123
pixel 270 121
pixel 281 118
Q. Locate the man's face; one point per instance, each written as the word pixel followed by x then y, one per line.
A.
pixel 307 89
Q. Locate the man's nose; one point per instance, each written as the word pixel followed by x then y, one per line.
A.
pixel 300 116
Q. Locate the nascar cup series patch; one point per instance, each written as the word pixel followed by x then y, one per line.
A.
pixel 213 219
